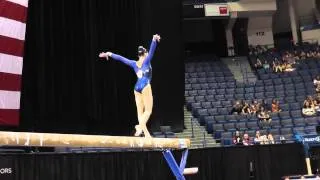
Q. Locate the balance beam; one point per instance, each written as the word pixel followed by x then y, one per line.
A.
pixel 78 140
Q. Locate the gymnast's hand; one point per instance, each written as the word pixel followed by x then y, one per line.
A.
pixel 156 37
pixel 105 55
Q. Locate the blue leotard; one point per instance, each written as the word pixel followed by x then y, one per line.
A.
pixel 144 73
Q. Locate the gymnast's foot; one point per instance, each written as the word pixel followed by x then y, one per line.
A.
pixel 138 130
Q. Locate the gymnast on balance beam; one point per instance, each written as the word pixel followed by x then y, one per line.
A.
pixel 142 88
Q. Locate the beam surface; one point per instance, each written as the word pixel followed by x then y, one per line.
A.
pixel 78 140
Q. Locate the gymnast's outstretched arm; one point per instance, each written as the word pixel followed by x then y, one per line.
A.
pixel 156 38
pixel 117 57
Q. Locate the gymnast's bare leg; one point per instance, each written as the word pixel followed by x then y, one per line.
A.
pixel 144 102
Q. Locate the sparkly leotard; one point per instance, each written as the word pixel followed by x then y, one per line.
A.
pixel 144 73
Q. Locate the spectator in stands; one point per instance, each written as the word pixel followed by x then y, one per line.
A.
pixel 237 108
pixel 308 107
pixel 275 106
pixel 316 81
pixel 257 139
pixel 258 64
pixel 296 55
pixel 265 105
pixel 264 117
pixel 266 65
pixel 276 66
pixel 302 55
pixel 270 138
pixel 254 107
pixel 246 109
pixel 237 138
pixel 318 54
pixel 246 139
pixel 318 88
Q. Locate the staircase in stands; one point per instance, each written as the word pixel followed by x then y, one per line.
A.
pixel 201 137
pixel 240 68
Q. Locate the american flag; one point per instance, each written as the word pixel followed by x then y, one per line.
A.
pixel 13 16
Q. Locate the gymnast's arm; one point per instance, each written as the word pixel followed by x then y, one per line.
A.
pixel 155 39
pixel 117 57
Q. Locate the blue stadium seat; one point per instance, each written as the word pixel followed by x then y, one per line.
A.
pixel 259 95
pixel 226 138
pixel 205 86
pixel 284 115
pixel 229 97
pixel 239 91
pixel 287 123
pixel 286 130
pixel 196 86
pixel 297 79
pixel 222 85
pixel 287 80
pixel 310 130
pixel 213 85
pixel 275 123
pixel 252 125
pixel 268 82
pixel 188 87
pixel 221 91
pixel 269 94
pixel 231 84
pixel 259 89
pixel 279 93
pixel 239 96
pixel 289 87
pixel 249 90
pixel 230 91
pixel 202 92
pixel 219 97
pixel 274 131
pixel 277 81
pixel 220 119
pixel 311 121
pixel 202 74
pixel 206 105
pixel 231 118
pixel 241 126
pixel 226 103
pixel 249 95
pixel 284 107
pixel 290 99
pixel 229 126
pixel 259 83
pixel 298 130
pixel 216 104
pixel 199 98
pixel 213 111
pixel 217 128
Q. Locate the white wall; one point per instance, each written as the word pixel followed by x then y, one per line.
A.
pixel 311 35
pixel 304 7
pixel 260 31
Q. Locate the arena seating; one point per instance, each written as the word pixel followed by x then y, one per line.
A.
pixel 210 90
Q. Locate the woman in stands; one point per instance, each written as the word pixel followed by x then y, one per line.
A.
pixel 142 89
pixel 308 107
pixel 264 117
pixel 246 139
pixel 275 106
pixel 246 109
pixel 237 140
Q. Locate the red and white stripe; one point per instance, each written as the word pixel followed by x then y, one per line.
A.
pixel 13 16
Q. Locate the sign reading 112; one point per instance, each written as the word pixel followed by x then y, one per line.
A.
pixel 260 33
